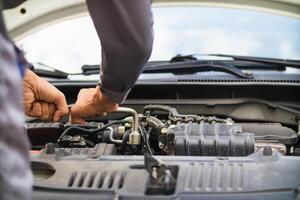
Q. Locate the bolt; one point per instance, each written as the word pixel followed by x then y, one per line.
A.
pixel 282 152
pixel 267 151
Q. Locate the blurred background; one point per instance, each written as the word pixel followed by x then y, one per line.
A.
pixel 69 44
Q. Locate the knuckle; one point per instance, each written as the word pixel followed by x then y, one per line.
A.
pixel 60 95
pixel 44 117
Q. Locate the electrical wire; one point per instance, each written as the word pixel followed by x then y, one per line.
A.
pixel 146 141
pixel 90 131
pixel 124 140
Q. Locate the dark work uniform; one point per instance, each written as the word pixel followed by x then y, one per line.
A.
pixel 125 31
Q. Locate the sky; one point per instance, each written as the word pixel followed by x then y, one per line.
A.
pixel 178 30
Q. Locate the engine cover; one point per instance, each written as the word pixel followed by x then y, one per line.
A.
pixel 206 139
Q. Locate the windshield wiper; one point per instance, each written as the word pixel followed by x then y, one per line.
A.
pixel 181 67
pixel 197 66
pixel 274 61
pixel 47 71
pixel 186 64
pixel 90 69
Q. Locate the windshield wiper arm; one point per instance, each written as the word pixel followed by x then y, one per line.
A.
pixel 51 73
pixel 282 62
pixel 197 66
pixel 90 69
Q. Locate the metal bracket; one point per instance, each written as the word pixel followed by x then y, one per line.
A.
pixel 161 176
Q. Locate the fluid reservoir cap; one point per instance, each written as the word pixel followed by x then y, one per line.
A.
pixel 267 151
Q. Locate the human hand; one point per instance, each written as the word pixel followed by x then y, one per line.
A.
pixel 90 103
pixel 43 100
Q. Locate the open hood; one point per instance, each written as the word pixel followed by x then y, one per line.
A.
pixel 35 14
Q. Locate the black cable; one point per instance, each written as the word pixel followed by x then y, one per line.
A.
pixel 145 138
pixel 90 131
pixel 89 143
pixel 85 130
pixel 124 140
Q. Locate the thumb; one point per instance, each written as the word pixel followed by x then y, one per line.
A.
pixel 75 117
pixel 61 107
pixel 58 115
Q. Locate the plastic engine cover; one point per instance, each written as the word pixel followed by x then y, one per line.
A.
pixel 205 139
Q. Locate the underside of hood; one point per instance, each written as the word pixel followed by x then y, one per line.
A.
pixel 33 15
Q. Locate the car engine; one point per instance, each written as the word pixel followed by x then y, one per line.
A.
pixel 159 130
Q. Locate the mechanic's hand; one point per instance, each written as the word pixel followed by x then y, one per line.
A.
pixel 90 103
pixel 43 100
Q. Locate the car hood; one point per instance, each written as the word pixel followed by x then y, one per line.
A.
pixel 33 15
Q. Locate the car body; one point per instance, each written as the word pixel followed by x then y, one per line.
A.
pixel 222 127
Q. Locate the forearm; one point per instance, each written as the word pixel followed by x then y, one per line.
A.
pixel 125 31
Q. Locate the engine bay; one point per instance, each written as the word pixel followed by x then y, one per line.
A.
pixel 161 153
pixel 161 130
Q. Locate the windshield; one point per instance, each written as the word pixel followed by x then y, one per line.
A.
pixel 178 30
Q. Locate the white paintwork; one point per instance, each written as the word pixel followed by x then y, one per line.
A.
pixel 41 13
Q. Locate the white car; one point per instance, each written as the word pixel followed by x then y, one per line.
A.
pixel 214 115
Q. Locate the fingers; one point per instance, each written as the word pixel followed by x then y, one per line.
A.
pixel 42 110
pixel 61 106
pixel 91 103
pixel 43 100
pixel 45 111
pixel 76 114
pixel 35 110
pixel 48 111
pixel 76 120
pixel 51 111
pixel 84 106
pixel 114 107
pixel 28 99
